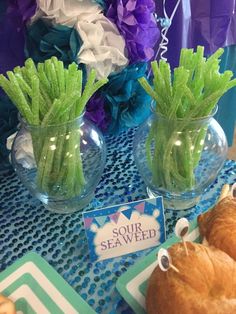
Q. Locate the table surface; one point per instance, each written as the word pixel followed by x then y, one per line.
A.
pixel 25 225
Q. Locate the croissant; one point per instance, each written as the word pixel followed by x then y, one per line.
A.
pixel 6 306
pixel 205 284
pixel 218 226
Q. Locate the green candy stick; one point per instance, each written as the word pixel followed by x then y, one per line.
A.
pixel 35 100
pixel 192 92
pixel 21 100
pixel 48 95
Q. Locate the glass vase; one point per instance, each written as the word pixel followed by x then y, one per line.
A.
pixel 178 159
pixel 60 165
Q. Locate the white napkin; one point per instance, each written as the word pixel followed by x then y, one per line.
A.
pixel 103 47
pixel 24 154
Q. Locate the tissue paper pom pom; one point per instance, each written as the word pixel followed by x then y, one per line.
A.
pixel 129 105
pixel 66 12
pixel 103 47
pixel 95 111
pixel 25 8
pixel 13 15
pixel 44 40
pixel 136 22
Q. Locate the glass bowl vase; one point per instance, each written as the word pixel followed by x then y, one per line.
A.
pixel 178 159
pixel 60 165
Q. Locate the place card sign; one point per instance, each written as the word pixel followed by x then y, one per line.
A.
pixel 122 229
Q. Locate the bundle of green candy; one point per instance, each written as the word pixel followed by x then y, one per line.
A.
pixel 192 92
pixel 49 96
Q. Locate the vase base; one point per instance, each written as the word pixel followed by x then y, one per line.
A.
pixel 175 202
pixel 66 206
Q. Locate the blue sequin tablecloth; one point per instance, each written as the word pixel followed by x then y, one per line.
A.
pixel 25 225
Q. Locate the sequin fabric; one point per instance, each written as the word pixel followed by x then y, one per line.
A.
pixel 60 239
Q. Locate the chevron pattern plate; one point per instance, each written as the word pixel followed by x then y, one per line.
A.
pixel 35 287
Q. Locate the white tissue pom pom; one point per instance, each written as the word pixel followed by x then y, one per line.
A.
pixel 103 47
pixel 65 12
